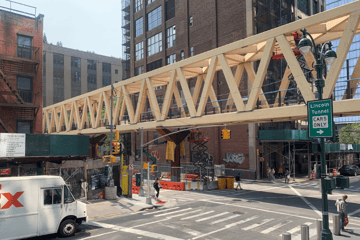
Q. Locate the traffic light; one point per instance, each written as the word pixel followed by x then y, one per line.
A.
pixel 108 159
pixel 116 147
pixel 225 134
pixel 153 168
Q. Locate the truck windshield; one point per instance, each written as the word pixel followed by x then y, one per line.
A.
pixel 68 198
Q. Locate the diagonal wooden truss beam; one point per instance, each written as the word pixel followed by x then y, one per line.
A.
pixel 342 50
pixel 186 91
pixel 153 100
pixel 141 101
pixel 259 79
pixel 238 74
pixel 168 95
pixel 295 68
pixel 354 83
pixel 129 105
pixel 251 74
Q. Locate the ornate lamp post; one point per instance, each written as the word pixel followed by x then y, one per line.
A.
pixel 305 46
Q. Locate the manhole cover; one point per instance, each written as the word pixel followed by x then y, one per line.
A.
pixel 238 200
pixel 237 212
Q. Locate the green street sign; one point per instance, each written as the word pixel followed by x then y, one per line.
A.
pixel 320 118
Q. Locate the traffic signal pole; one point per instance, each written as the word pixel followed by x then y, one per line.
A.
pixel 111 128
pixel 141 190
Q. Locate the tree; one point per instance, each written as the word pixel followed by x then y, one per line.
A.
pixel 45 39
pixel 350 134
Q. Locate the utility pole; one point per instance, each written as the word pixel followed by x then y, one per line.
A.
pixel 141 190
pixel 111 127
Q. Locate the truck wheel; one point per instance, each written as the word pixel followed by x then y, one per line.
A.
pixel 67 228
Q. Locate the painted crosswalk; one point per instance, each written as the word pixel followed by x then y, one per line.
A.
pixel 224 220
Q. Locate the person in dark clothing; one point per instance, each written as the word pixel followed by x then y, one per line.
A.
pixel 157 187
pixel 238 179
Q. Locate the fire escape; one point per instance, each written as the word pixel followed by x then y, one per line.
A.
pixel 12 100
pixel 126 38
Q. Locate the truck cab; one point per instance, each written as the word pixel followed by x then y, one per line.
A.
pixel 38 205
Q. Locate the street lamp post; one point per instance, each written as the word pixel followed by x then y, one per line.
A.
pixel 305 45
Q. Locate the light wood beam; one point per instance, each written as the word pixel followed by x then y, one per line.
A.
pixel 185 88
pixel 77 117
pixel 91 111
pixel 65 118
pixel 99 110
pixel 354 83
pixel 259 79
pixel 153 100
pixel 128 104
pixel 117 107
pixel 295 68
pixel 285 82
pixel 141 101
pixel 72 114
pixel 238 74
pixel 341 52
pixel 199 81
pixel 168 95
pixel 178 101
pixel 251 74
pixel 207 84
pixel 84 114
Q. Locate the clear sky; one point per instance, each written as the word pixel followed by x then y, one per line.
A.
pixel 87 25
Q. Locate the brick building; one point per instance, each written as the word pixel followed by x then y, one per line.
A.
pixel 161 32
pixel 21 38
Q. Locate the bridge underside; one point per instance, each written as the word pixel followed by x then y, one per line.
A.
pixel 90 112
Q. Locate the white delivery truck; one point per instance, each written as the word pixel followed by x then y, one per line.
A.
pixel 38 205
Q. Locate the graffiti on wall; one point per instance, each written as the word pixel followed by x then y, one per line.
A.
pixel 237 158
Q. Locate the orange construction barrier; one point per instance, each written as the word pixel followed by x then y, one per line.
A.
pixel 312 176
pixel 334 172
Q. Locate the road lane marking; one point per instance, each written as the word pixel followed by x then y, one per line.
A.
pixel 294 230
pixel 164 214
pixel 161 210
pixel 306 201
pixel 197 215
pixel 224 219
pixel 257 224
pixel 94 236
pixel 182 214
pixel 214 216
pixel 354 212
pixel 273 228
pixel 241 222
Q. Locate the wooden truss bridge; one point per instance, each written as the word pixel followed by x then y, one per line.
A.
pixel 82 114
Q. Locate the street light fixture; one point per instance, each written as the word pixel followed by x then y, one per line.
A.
pixel 305 45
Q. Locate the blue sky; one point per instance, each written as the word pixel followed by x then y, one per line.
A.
pixel 87 25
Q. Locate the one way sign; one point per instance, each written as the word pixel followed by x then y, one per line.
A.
pixel 320 117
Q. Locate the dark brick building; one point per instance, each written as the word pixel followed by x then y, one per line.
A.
pixel 21 39
pixel 161 32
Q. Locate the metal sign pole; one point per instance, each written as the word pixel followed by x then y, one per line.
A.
pixel 141 190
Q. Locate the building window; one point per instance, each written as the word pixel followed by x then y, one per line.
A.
pixel 160 100
pixel 170 9
pixel 58 58
pixel 154 65
pixel 24 88
pixel 91 78
pixel 182 54
pixel 106 67
pixel 139 51
pixel 24 46
pixel 171 59
pixel 191 21
pixel 91 65
pixel 154 18
pixel 58 87
pixel 154 44
pixel 191 51
pixel 170 36
pixel 138 5
pixel 116 71
pixel 315 7
pixel 24 127
pixel 158 88
pixel 106 80
pixel 76 76
pixel 139 70
pixel 76 62
pixel 150 1
pixel 303 6
pixel 139 27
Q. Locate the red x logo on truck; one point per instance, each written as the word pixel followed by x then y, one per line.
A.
pixel 12 200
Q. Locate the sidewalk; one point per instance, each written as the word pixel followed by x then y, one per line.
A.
pixel 298 179
pixel 107 208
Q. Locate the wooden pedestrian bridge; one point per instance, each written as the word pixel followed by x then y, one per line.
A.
pixel 200 105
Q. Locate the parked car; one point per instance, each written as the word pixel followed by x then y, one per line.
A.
pixel 349 170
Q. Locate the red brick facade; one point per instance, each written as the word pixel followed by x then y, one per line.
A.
pixel 20 61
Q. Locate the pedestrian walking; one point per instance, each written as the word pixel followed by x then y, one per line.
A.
pixel 273 174
pixel 157 187
pixel 341 209
pixel 287 176
pixel 238 180
pixel 269 173
pixel 280 172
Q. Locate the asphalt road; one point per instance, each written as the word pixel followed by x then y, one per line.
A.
pixel 260 211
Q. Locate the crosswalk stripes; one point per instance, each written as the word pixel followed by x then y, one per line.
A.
pixel 296 229
pixel 197 215
pixel 266 231
pixel 182 214
pixel 214 216
pixel 224 219
pixel 257 224
pixel 161 210
pixel 241 222
pixel 164 214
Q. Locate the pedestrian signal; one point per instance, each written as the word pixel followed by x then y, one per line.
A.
pixel 153 168
pixel 225 134
pixel 108 159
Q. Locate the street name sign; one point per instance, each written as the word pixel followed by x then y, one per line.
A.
pixel 109 127
pixel 320 117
